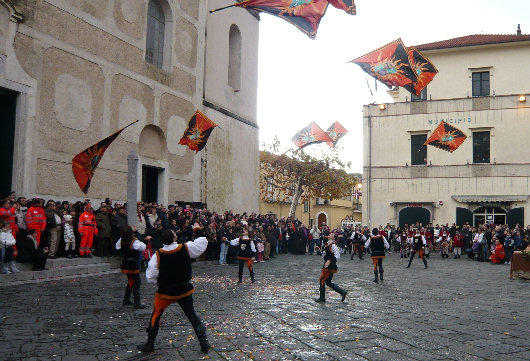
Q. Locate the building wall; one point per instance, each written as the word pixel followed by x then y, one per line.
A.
pixel 232 153
pixel 80 69
pixel 455 66
pixel 390 182
pixel 335 212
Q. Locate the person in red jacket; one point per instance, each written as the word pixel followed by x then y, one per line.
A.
pixel 458 243
pixel 498 255
pixel 87 230
pixel 36 219
pixel 7 212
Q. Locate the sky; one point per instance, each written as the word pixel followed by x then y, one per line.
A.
pixel 303 80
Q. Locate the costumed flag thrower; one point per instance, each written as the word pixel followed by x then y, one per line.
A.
pixel 446 137
pixel 304 14
pixel 198 131
pixel 335 132
pixel 389 64
pixel 312 134
pixel 85 163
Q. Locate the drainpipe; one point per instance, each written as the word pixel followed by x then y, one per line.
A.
pixel 369 205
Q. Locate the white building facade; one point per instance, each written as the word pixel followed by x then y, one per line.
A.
pixel 74 71
pixel 480 89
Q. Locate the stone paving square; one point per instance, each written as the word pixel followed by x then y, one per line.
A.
pixel 454 310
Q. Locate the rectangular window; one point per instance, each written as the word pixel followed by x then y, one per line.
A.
pixel 481 147
pixel 418 151
pixel 481 83
pixel 306 206
pixel 423 96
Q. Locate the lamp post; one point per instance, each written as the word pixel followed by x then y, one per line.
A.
pixel 358 193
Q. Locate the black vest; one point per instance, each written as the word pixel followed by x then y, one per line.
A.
pixel 418 243
pixel 245 250
pixel 174 274
pixel 377 246
pixel 330 256
pixel 129 261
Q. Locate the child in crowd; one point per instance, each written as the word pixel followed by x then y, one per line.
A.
pixel 7 241
pixel 260 247
pixel 69 237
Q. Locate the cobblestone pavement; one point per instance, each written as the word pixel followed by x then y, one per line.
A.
pixel 454 310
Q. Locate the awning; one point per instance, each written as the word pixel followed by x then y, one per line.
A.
pixel 491 198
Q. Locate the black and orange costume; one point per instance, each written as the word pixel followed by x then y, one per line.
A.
pixel 358 245
pixel 129 267
pixel 378 246
pixel 330 254
pixel 247 250
pixel 418 244
pixel 170 267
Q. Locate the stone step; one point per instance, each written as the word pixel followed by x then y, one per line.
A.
pixel 68 262
pixel 56 273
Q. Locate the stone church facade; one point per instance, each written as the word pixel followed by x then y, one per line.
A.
pixel 74 71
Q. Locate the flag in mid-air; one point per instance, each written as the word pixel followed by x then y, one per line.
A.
pixel 335 132
pixel 304 14
pixel 198 131
pixel 389 64
pixel 346 5
pixel 312 134
pixel 424 69
pixel 446 137
pixel 85 163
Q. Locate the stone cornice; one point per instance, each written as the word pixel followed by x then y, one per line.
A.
pixel 14 15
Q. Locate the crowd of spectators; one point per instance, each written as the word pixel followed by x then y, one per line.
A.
pixel 50 229
pixel 486 243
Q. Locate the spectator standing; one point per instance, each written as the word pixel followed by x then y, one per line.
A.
pixel 53 228
pixel 87 229
pixel 36 219
pixel 69 236
pixel 103 242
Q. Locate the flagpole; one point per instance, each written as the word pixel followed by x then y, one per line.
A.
pixel 127 126
pixel 223 8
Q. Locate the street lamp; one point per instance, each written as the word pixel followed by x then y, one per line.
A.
pixel 359 187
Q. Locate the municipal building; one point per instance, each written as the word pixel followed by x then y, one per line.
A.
pixel 482 89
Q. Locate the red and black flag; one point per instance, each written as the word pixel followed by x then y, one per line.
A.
pixel 312 134
pixel 446 137
pixel 85 163
pixel 346 5
pixel 424 69
pixel 198 131
pixel 389 64
pixel 335 132
pixel 304 14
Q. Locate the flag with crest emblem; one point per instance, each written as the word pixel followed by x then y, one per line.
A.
pixel 389 64
pixel 424 69
pixel 198 131
pixel 304 14
pixel 335 132
pixel 312 134
pixel 446 137
pixel 85 163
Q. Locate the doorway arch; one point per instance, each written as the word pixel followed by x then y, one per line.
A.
pixel 413 215
pixel 321 218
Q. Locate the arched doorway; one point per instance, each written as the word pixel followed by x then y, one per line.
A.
pixel 413 215
pixel 322 218
pixel 152 149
